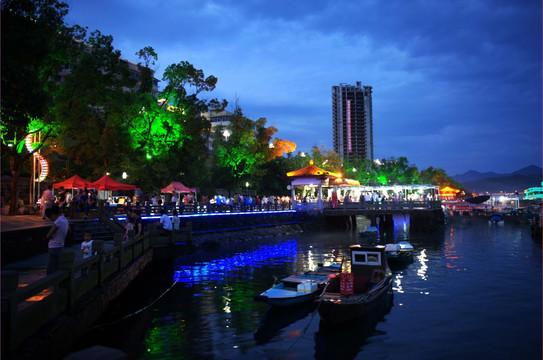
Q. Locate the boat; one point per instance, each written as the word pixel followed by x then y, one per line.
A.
pixel 301 288
pixel 345 341
pixel 371 233
pixel 353 295
pixel 496 219
pixel 399 255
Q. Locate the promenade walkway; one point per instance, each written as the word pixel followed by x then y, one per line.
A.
pixel 34 268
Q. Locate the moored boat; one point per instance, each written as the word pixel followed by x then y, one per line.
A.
pixel 352 295
pixel 371 233
pixel 496 219
pixel 399 255
pixel 301 288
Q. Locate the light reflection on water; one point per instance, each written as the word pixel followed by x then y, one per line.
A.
pixel 468 314
pixel 216 269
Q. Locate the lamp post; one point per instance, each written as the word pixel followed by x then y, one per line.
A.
pixel 124 175
pixel 226 134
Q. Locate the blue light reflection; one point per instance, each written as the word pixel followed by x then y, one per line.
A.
pixel 217 269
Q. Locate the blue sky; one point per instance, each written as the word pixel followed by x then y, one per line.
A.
pixel 456 83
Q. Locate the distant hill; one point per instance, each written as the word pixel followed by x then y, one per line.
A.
pixel 473 175
pixel 492 182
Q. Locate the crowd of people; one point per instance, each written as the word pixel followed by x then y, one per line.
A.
pixel 82 200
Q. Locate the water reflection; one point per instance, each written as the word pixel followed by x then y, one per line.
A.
pixel 216 269
pixel 277 318
pixel 423 261
pixel 346 341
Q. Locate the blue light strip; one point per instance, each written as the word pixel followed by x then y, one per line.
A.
pixel 221 214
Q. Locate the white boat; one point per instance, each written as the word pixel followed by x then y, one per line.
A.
pixel 399 254
pixel 371 233
pixel 297 289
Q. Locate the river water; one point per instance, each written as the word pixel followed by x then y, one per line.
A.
pixel 473 292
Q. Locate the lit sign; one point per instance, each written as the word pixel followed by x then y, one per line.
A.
pixel 349 146
pixel 43 163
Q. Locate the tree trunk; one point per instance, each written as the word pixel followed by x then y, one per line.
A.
pixel 14 167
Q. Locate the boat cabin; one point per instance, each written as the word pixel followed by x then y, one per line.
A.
pixel 368 267
pixel 364 260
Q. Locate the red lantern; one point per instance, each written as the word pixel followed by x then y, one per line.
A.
pixel 346 283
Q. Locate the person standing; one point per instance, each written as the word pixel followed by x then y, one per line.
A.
pixel 86 250
pixel 56 236
pixel 138 227
pixel 165 222
pixel 47 200
pixel 175 221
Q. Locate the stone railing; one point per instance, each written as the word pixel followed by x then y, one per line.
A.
pixel 26 309
pixel 199 208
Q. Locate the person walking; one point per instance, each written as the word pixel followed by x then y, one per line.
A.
pixel 56 236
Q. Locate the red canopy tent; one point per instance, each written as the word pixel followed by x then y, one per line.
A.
pixel 75 181
pixel 107 183
pixel 176 186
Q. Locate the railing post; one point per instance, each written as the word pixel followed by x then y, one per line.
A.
pixel 66 262
pixel 131 234
pixel 152 232
pixel 10 283
pixel 189 233
pixel 98 248
pixel 118 242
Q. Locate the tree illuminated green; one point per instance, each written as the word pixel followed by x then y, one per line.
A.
pixel 246 146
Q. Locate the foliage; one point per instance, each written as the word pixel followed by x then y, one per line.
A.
pixel 35 46
pixel 438 177
pixel 280 147
pixel 274 180
pixel 327 159
pixel 93 107
pixel 245 147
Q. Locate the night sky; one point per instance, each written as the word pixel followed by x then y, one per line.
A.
pixel 456 84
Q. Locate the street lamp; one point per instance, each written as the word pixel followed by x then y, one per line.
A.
pixel 247 184
pixel 226 134
pixel 124 175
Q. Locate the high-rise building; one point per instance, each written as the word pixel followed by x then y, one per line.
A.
pixel 352 121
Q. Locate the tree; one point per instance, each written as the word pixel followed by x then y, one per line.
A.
pixel 327 159
pixel 246 146
pixel 274 180
pixel 94 106
pixel 35 43
pixel 169 136
pixel 279 147
pixel 438 177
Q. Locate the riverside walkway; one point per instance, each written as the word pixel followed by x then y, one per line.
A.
pixel 44 314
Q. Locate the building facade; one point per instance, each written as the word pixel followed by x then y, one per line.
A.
pixel 352 117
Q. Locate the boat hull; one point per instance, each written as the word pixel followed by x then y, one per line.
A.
pixel 399 260
pixel 335 309
pixel 295 299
